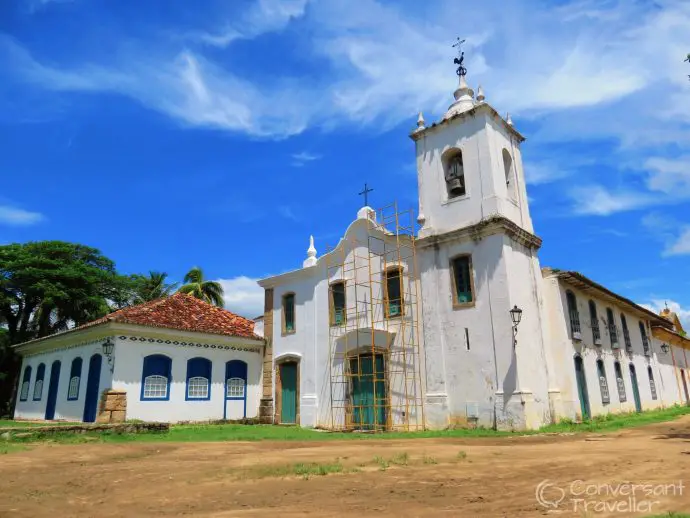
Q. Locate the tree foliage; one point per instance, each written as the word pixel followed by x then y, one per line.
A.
pixel 151 287
pixel 46 287
pixel 197 286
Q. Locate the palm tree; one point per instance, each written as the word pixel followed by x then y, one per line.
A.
pixel 208 291
pixel 153 287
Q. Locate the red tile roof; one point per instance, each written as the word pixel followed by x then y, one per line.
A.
pixel 183 312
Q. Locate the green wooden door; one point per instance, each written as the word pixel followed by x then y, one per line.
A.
pixel 368 392
pixel 636 391
pixel 582 387
pixel 288 381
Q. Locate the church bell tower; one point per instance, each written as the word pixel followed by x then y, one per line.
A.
pixel 477 256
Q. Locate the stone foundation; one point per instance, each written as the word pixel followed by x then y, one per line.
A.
pixel 266 411
pixel 112 407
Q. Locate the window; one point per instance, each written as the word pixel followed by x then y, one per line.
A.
pixel 508 169
pixel 619 382
pixel 461 270
pixel 289 313
pixel 455 175
pixel 645 341
pixel 652 385
pixel 338 316
pixel 74 379
pixel 26 381
pixel 235 379
pixel 393 295
pixel 594 322
pixel 38 385
pixel 626 334
pixel 198 378
pixel 155 378
pixel 603 384
pixel 613 332
pixel 574 315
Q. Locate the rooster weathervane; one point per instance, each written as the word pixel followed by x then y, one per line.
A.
pixel 461 71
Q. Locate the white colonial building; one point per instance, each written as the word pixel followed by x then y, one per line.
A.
pixel 442 320
pixel 405 326
pixel 170 360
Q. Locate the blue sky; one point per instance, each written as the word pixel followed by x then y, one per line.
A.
pixel 175 133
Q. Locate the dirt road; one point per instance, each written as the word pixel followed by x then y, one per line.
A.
pixel 422 477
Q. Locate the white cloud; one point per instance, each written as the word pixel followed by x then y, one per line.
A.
pixel 304 157
pixel 681 245
pixel 262 17
pixel 656 305
pixel 596 200
pixel 287 213
pixel 243 296
pixel 19 217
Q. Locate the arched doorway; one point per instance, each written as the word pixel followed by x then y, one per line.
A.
pixel 582 387
pixel 92 385
pixel 635 388
pixel 287 391
pixel 369 392
pixel 53 389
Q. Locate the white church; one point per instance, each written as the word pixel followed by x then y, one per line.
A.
pixel 440 320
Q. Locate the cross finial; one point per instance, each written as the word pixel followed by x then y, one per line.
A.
pixel 366 192
pixel 461 71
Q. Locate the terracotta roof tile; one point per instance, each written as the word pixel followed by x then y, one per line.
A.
pixel 183 312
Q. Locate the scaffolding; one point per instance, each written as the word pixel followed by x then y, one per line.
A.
pixel 375 363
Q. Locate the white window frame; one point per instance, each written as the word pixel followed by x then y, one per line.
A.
pixel 73 392
pixel 235 388
pixel 152 387
pixel 197 387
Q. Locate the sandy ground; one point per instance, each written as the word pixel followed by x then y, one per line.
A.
pixel 493 477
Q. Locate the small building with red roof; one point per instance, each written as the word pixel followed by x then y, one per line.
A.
pixel 169 360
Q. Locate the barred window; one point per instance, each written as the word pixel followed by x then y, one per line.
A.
pixel 620 383
pixel 613 332
pixel 197 388
pixel 394 300
pixel 645 341
pixel 289 313
pixel 626 333
pixel 652 385
pixel 603 384
pixel 155 387
pixel 596 332
pixel 574 314
pixel 338 303
pixel 235 387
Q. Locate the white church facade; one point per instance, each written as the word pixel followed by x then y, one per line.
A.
pixel 440 320
pixel 407 329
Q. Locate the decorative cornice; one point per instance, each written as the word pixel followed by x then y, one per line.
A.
pixel 486 227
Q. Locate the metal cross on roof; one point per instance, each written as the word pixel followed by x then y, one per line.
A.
pixel 366 192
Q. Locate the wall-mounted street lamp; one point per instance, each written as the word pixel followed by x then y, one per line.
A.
pixel 665 347
pixel 108 347
pixel 516 317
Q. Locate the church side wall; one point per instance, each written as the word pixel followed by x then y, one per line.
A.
pixel 565 397
pixel 129 358
pixel 64 410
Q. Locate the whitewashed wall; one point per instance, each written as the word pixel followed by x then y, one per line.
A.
pixel 311 342
pixel 64 409
pixel 129 359
pixel 564 392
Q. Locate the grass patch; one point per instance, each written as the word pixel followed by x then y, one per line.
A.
pixel 461 455
pixel 612 422
pixel 670 515
pixel 6 448
pixel 240 432
pixel 300 469
pixel 10 423
pixel 429 460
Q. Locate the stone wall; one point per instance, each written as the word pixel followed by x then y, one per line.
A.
pixel 112 407
pixel 266 404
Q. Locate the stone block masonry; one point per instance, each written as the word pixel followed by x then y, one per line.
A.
pixel 112 407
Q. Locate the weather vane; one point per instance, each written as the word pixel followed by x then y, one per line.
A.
pixel 687 60
pixel 461 71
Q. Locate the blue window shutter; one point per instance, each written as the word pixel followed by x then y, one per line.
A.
pixel 157 364
pixel 199 367
pixel 24 395
pixel 236 369
pixel 76 368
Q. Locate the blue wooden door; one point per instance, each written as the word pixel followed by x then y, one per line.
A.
pixel 92 385
pixel 636 390
pixel 53 390
pixel 368 392
pixel 288 401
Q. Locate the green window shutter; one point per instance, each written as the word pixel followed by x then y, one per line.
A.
pixel 289 312
pixel 393 293
pixel 338 298
pixel 463 280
